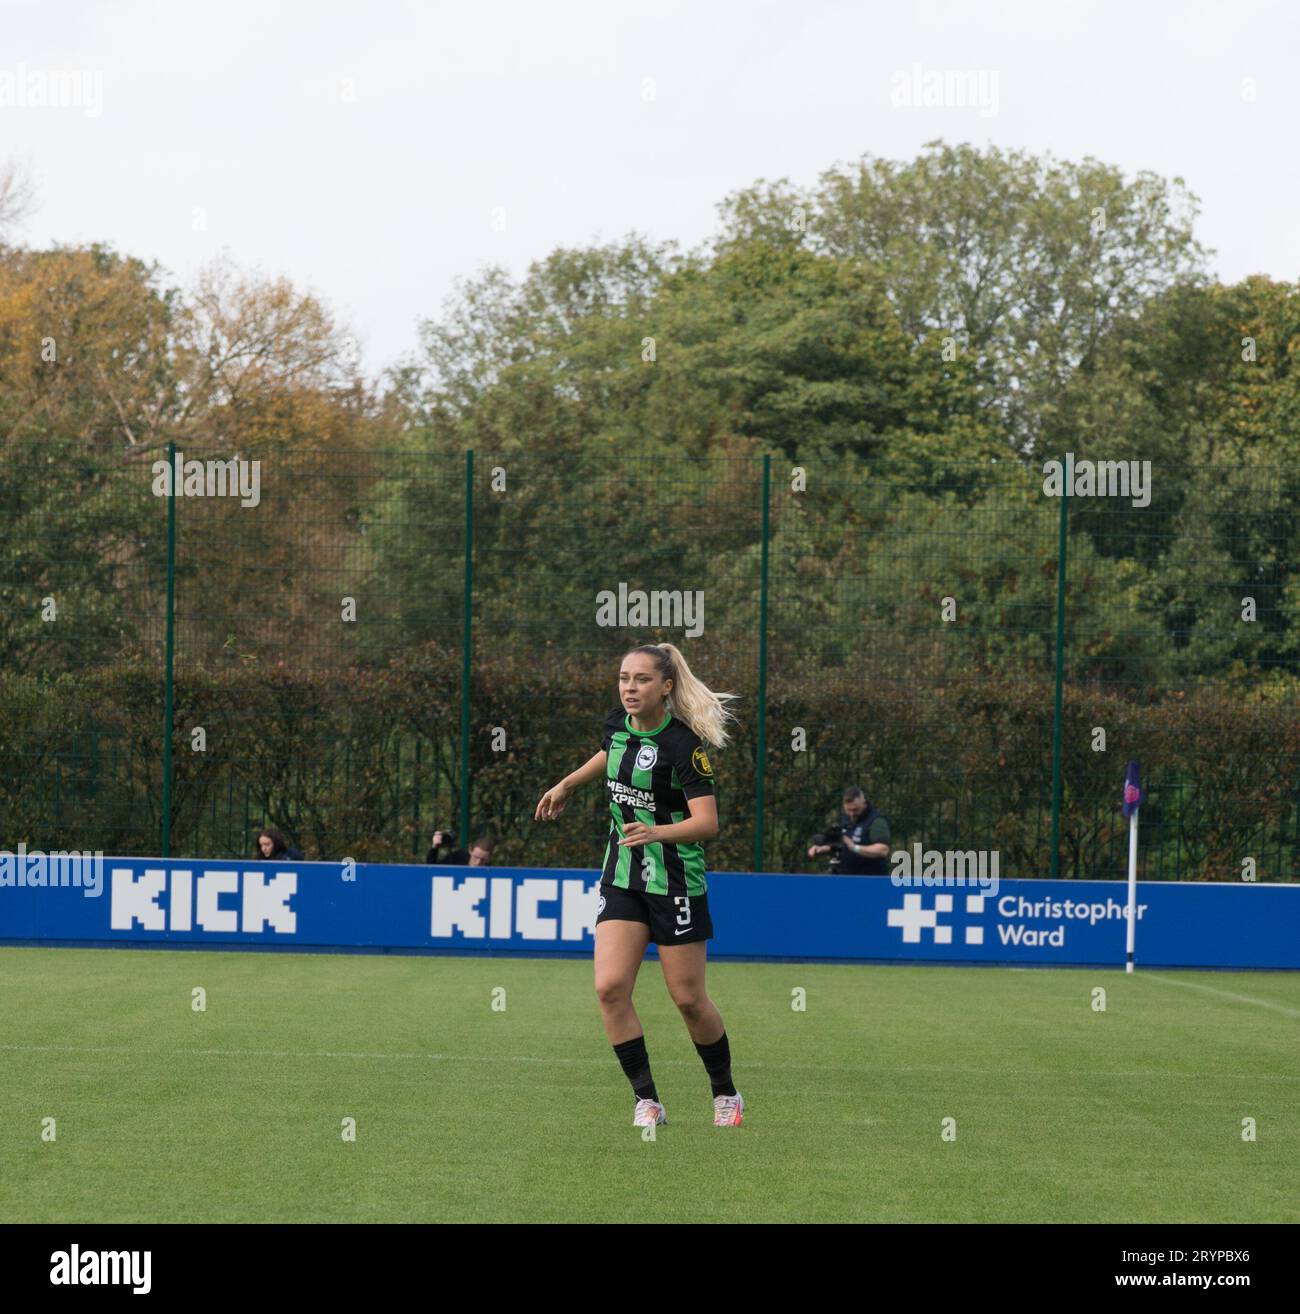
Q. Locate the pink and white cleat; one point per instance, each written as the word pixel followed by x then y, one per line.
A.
pixel 649 1113
pixel 728 1110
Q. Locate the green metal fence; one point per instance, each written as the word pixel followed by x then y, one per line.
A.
pixel 386 642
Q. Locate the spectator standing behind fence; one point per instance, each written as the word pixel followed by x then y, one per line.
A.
pixel 480 852
pixel 859 845
pixel 444 852
pixel 272 844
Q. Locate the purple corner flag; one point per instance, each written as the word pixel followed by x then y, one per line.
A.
pixel 1132 790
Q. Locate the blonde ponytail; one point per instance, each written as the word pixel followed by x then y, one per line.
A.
pixel 702 709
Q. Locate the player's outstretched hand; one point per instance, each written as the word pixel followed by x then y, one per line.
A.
pixel 553 802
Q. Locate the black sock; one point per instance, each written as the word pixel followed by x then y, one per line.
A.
pixel 717 1062
pixel 636 1067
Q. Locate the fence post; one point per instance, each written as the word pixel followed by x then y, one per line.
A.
pixel 1062 540
pixel 760 762
pixel 165 839
pixel 415 799
pixel 466 618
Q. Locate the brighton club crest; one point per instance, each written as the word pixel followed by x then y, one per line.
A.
pixel 647 757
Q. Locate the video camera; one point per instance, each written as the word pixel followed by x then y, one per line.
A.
pixel 834 836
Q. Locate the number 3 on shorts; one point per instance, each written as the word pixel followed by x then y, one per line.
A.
pixel 683 902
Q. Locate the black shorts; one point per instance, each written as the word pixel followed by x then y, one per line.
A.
pixel 672 919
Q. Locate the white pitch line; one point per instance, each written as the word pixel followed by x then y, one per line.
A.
pixel 1222 994
pixel 937 1070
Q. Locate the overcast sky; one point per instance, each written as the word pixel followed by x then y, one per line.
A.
pixel 374 151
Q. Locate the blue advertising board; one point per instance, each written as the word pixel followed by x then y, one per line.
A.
pixel 367 906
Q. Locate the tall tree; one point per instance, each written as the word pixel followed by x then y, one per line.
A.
pixel 1025 262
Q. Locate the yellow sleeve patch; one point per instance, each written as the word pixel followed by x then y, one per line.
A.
pixel 700 761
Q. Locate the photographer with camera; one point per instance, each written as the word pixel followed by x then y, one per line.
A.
pixel 859 845
pixel 443 850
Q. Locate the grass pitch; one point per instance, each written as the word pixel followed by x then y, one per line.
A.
pixel 463 1113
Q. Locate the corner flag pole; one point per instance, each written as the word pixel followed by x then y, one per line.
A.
pixel 1132 802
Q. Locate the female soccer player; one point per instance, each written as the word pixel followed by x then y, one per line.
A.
pixel 652 887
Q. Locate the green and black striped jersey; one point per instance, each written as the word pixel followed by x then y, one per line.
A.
pixel 649 776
